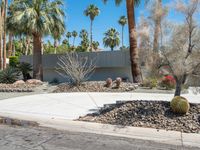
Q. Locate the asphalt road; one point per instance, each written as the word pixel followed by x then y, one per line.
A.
pixel 37 138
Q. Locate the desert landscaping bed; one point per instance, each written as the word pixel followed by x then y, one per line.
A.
pixel 148 114
pixel 95 86
pixel 17 87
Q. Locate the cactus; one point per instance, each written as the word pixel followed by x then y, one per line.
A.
pixel 118 82
pixel 108 83
pixel 180 105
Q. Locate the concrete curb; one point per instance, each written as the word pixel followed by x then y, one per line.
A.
pixel 161 136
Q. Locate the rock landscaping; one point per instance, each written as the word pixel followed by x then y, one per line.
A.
pixel 21 86
pixel 16 87
pixel 148 114
pixel 96 86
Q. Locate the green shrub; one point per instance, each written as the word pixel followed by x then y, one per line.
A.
pixel 150 83
pixel 25 68
pixel 9 75
pixel 13 61
pixel 180 105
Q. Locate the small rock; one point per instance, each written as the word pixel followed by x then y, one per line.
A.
pixel 34 81
pixel 19 82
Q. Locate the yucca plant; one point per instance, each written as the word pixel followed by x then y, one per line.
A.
pixel 9 75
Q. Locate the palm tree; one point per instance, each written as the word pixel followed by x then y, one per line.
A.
pixel 4 32
pixel 58 30
pixel 111 39
pixel 68 35
pixel 83 34
pixel 38 17
pixel 123 21
pixel 1 34
pixel 92 11
pixel 95 45
pixel 130 5
pixel 74 34
pixel 10 44
pixel 85 41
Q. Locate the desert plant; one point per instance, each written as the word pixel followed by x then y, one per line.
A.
pixel 150 83
pixel 25 68
pixel 181 52
pixel 108 82
pixel 118 82
pixel 168 82
pixel 180 105
pixel 75 68
pixel 13 61
pixel 55 81
pixel 9 75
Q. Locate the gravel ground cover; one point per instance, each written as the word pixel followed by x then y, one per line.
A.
pixel 95 86
pixel 17 87
pixel 150 114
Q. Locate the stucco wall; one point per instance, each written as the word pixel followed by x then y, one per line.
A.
pixel 108 64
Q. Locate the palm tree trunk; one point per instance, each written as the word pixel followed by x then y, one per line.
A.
pixel 10 44
pixel 91 38
pixel 122 36
pixel 74 41
pixel 27 45
pixel 157 27
pixel 68 41
pixel 13 49
pixel 1 33
pixel 4 35
pixel 37 57
pixel 55 46
pixel 133 41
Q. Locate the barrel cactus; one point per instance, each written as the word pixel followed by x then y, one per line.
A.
pixel 180 105
pixel 108 83
pixel 118 82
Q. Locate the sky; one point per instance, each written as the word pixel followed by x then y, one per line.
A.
pixel 109 16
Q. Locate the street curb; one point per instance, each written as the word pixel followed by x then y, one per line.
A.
pixel 159 136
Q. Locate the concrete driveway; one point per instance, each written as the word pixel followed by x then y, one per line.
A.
pixel 72 105
pixel 58 110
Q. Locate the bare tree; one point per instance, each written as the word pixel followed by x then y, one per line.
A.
pixel 182 53
pixel 144 41
pixel 75 68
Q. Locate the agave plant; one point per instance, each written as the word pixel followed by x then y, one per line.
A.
pixel 9 75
